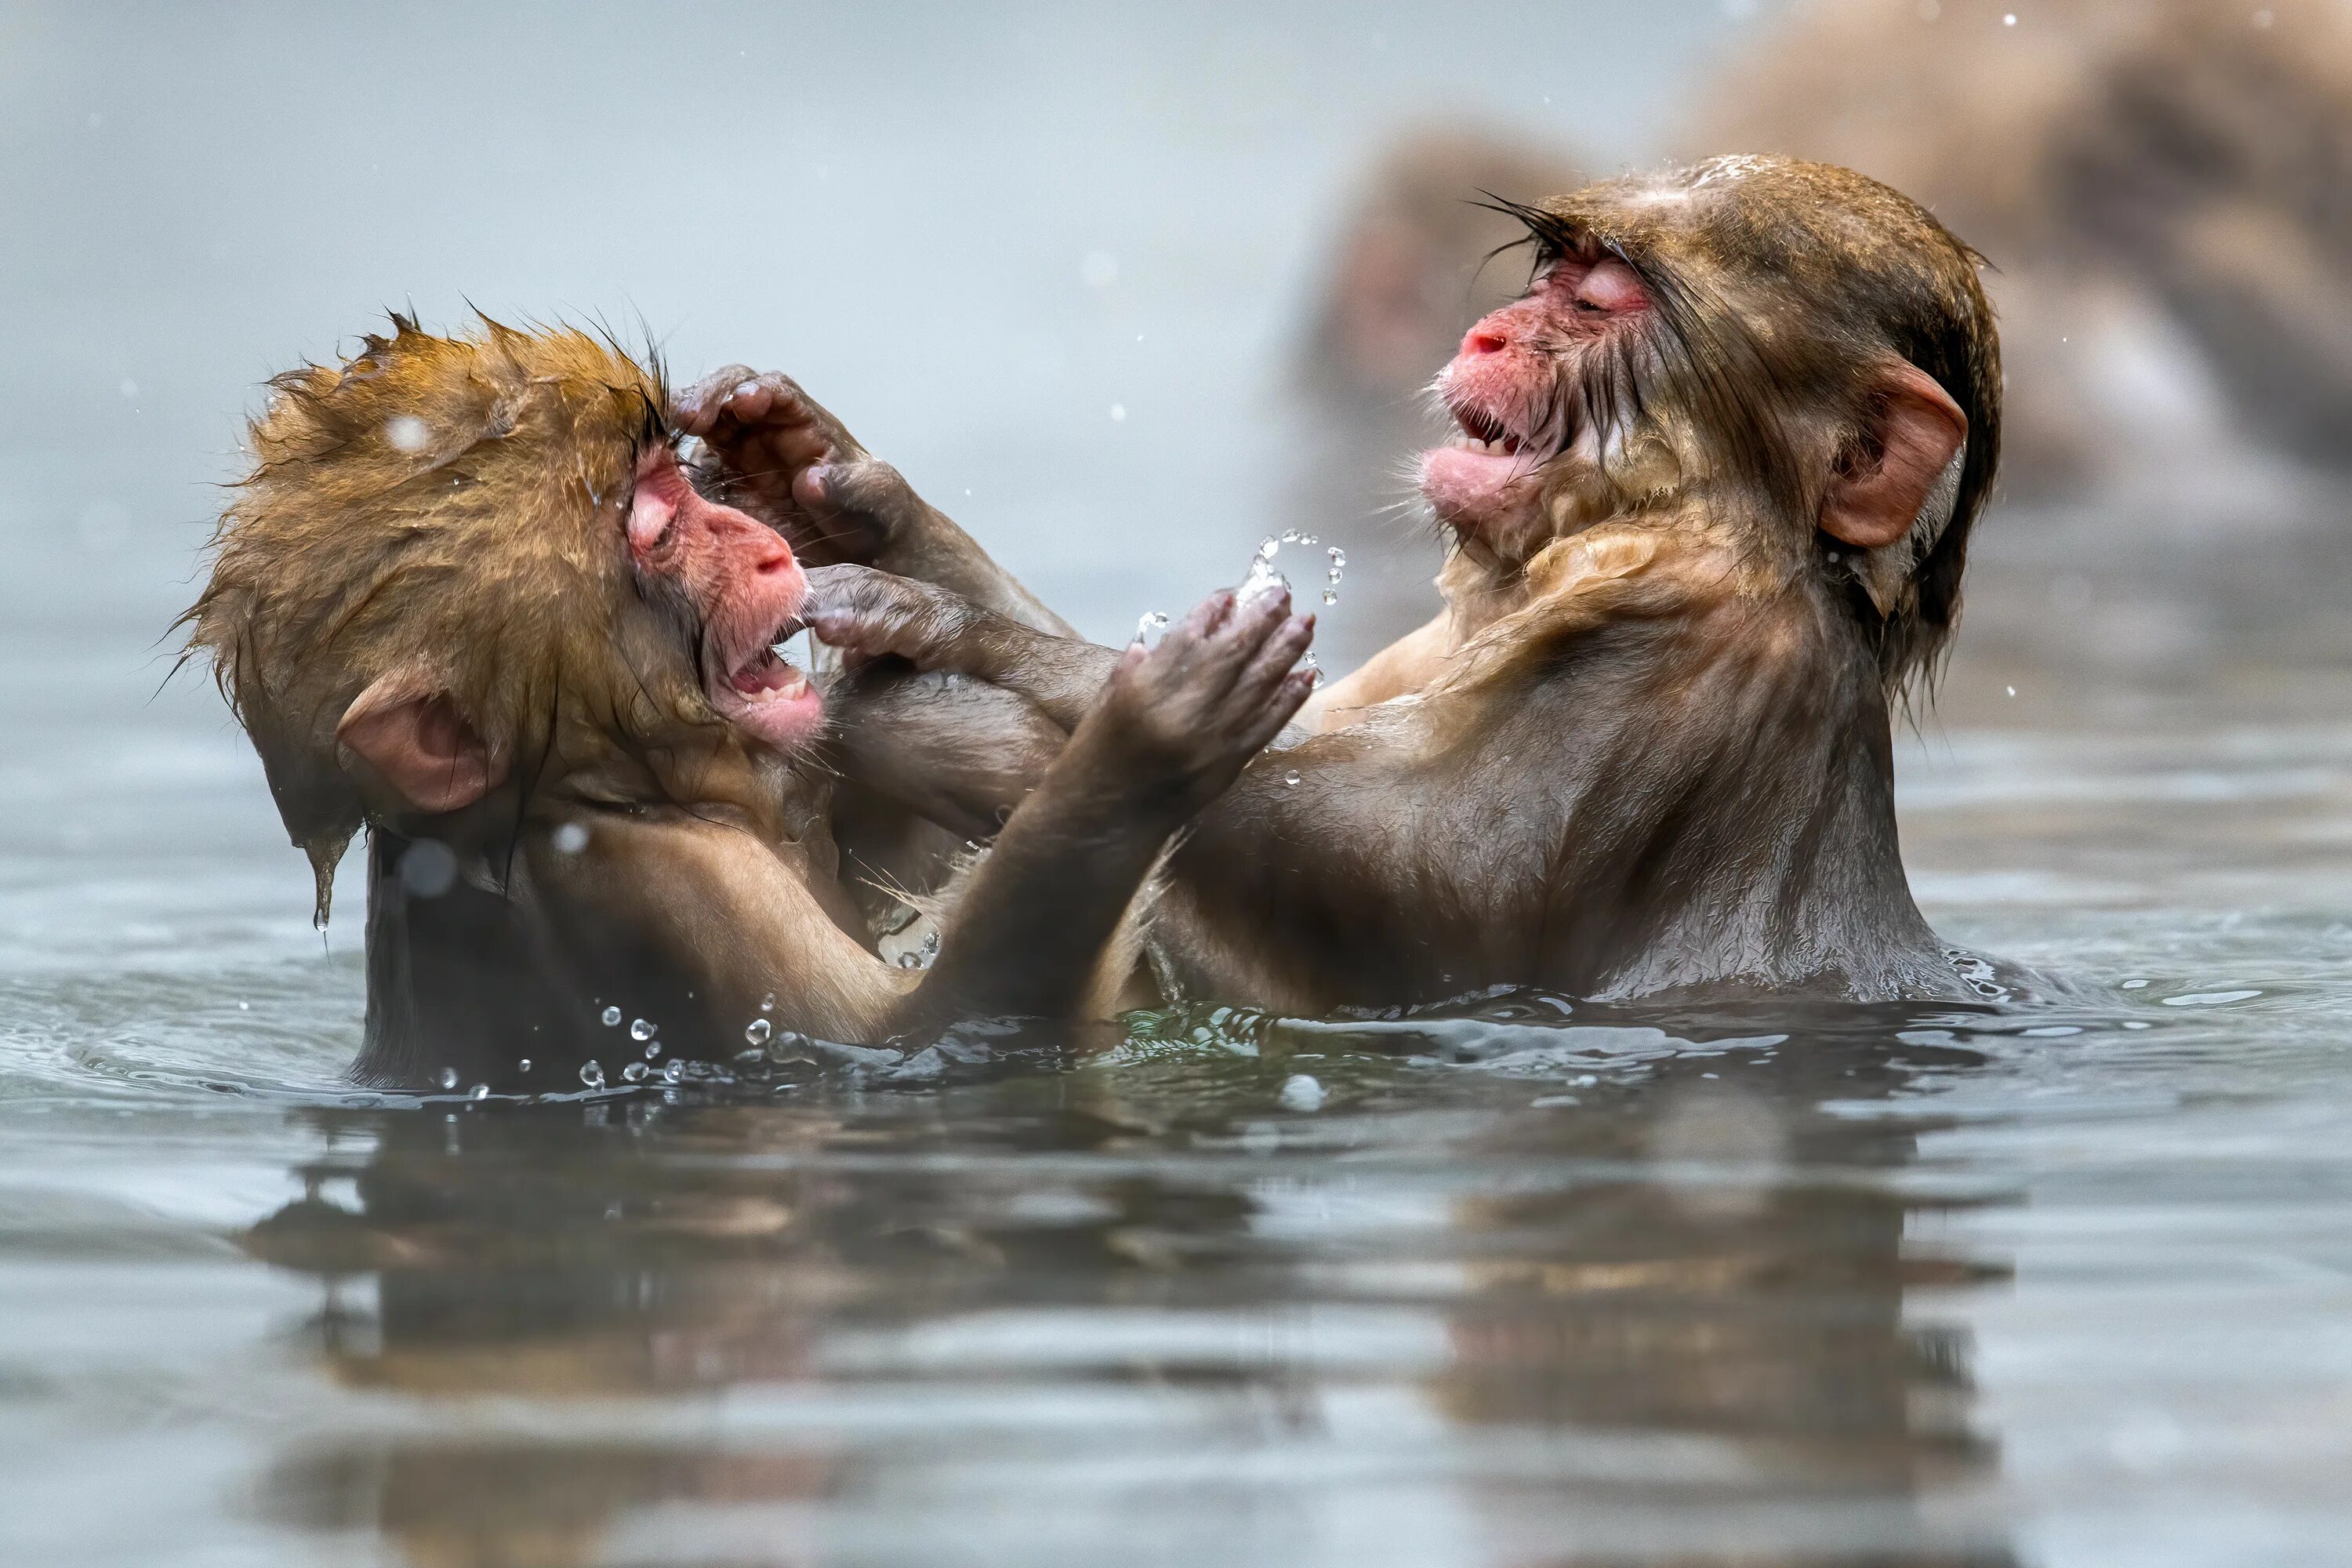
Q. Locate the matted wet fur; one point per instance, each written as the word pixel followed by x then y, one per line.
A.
pixel 436 503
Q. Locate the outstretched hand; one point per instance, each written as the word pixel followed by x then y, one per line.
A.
pixel 1189 715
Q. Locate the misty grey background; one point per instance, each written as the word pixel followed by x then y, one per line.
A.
pixel 895 204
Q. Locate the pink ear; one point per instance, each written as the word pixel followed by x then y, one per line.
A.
pixel 1915 429
pixel 417 741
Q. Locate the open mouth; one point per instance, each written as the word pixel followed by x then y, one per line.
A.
pixel 770 698
pixel 765 677
pixel 1483 433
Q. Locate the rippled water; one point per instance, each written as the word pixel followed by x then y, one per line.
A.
pixel 1524 1282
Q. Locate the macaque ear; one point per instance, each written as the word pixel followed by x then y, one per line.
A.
pixel 412 734
pixel 1915 428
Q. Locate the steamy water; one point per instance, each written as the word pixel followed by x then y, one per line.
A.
pixel 1521 1281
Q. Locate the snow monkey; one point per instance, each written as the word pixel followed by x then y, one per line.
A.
pixel 467 598
pixel 1710 498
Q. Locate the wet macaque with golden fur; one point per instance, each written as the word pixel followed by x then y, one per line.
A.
pixel 1710 500
pixel 469 599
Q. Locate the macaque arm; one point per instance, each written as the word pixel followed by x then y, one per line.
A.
pixel 873 615
pixel 730 911
pixel 954 751
pixel 1170 731
pixel 781 454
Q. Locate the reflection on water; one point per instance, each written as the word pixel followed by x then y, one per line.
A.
pixel 1660 1311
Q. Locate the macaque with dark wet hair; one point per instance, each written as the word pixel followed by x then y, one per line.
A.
pixel 1711 500
pixel 468 599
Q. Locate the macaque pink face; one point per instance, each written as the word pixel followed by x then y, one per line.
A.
pixel 745 588
pixel 1511 388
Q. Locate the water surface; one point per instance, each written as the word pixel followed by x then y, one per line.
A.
pixel 1526 1282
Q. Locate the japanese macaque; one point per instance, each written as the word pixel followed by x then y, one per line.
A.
pixel 2168 185
pixel 467 598
pixel 1711 497
pixel 1412 264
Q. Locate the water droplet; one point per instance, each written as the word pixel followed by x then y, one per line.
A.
pixel 674 1070
pixel 653 1049
pixel 481 1091
pixel 1149 627
pixel 640 1029
pixel 634 1072
pixel 767 1003
pixel 1290 779
pixel 758 1030
pixel 1331 595
pixel 449 1078
pixel 245 1006
pixel 612 1017
pixel 1301 1092
pixel 1118 411
pixel 407 432
pixel 2012 691
pixel 592 1075
pixel 572 837
pixel 524 1064
pixel 428 868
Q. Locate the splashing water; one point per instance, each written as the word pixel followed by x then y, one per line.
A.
pixel 1149 627
pixel 1339 559
pixel 1262 578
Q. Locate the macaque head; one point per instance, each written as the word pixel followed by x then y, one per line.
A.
pixel 1786 351
pixel 468 568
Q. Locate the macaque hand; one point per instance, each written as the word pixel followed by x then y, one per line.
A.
pixel 1186 717
pixel 870 614
pixel 779 455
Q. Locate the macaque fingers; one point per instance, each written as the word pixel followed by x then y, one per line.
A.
pixel 1274 658
pixel 1289 696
